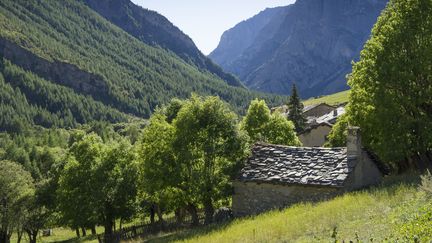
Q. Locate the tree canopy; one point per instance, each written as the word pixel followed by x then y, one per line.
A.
pixel 263 126
pixel 16 192
pixel 391 85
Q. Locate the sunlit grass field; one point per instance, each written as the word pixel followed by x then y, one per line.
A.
pixel 333 99
pixel 387 213
pixel 377 214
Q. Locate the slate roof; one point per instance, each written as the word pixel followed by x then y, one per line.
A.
pixel 331 117
pixel 310 107
pixel 297 165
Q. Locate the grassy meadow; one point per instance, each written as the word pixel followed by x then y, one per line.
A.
pixel 332 99
pixel 388 213
pixel 396 211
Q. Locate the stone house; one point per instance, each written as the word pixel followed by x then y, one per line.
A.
pixel 315 135
pixel 319 128
pixel 277 176
pixel 317 110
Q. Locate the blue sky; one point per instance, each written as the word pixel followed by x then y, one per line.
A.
pixel 205 20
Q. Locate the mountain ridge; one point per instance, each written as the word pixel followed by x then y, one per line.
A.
pixel 72 66
pixel 313 47
pixel 155 29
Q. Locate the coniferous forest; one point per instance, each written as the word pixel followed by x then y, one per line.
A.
pixel 99 61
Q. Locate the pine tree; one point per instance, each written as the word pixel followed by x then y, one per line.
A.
pixel 296 110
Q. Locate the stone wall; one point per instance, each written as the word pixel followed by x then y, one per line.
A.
pixel 365 174
pixel 252 198
pixel 316 137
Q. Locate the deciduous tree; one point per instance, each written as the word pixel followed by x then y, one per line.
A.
pixel 16 193
pixel 392 85
pixel 209 146
pixel 265 127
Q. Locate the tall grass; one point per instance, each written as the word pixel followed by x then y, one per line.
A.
pixel 376 214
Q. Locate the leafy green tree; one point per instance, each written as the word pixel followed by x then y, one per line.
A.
pixel 338 135
pixel 172 109
pixel 295 107
pixel 38 214
pixel 209 148
pixel 272 128
pixel 256 120
pixel 16 192
pixel 116 177
pixel 78 185
pixel 98 183
pixel 392 85
pixel 280 130
pixel 159 176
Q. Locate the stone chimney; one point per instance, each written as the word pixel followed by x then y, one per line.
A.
pixel 354 145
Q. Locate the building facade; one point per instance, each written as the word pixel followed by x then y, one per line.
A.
pixel 276 176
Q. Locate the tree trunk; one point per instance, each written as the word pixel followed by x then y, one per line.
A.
pixel 32 234
pixel 152 214
pixel 19 235
pixel 84 232
pixel 93 230
pixel 194 214
pixel 159 214
pixel 108 226
pixel 179 213
pixel 4 237
pixel 208 210
pixel 429 156
pixel 77 232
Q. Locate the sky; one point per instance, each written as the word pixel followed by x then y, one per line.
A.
pixel 206 20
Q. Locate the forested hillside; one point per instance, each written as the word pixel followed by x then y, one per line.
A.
pixel 155 30
pixel 64 45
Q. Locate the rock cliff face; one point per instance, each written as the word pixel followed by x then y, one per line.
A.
pixel 57 72
pixel 156 30
pixel 311 43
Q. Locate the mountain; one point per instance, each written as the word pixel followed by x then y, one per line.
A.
pixel 156 30
pixel 310 43
pixel 62 64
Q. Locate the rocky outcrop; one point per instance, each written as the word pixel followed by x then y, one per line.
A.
pixel 58 72
pixel 311 43
pixel 154 29
pixel 236 41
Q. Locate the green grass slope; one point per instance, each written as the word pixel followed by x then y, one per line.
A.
pixel 333 99
pixel 69 36
pixel 391 212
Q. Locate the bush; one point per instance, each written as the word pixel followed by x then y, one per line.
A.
pixel 426 183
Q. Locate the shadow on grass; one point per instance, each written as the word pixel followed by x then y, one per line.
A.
pixel 79 240
pixel 186 233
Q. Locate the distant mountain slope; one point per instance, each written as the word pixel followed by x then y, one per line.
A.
pixel 69 65
pixel 154 29
pixel 236 41
pixel 310 43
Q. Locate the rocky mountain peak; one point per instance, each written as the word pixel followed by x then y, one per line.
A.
pixel 311 43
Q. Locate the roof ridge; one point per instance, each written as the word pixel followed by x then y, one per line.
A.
pixel 295 147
